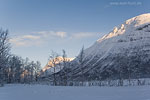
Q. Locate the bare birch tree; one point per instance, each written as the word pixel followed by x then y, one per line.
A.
pixel 4 54
pixel 54 59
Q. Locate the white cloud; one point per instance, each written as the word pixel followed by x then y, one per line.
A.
pixel 17 42
pixel 83 35
pixel 31 37
pixel 25 40
pixel 60 34
pixel 36 38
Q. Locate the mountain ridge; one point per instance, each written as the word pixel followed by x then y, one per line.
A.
pixel 129 40
pixel 49 68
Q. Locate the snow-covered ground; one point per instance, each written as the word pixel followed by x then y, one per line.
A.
pixel 45 92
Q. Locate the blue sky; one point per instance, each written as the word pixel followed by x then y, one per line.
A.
pixel 38 26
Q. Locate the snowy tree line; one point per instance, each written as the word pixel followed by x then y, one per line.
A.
pixel 61 77
pixel 22 70
pixel 14 69
pixel 64 76
pixel 127 66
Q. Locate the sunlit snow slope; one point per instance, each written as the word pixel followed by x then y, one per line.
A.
pixel 127 45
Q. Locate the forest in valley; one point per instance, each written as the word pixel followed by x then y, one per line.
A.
pixel 13 68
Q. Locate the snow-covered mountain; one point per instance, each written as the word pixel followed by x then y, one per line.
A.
pixel 49 68
pixel 123 36
pixel 126 46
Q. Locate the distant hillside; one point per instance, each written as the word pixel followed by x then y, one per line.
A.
pixel 49 68
pixel 122 53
